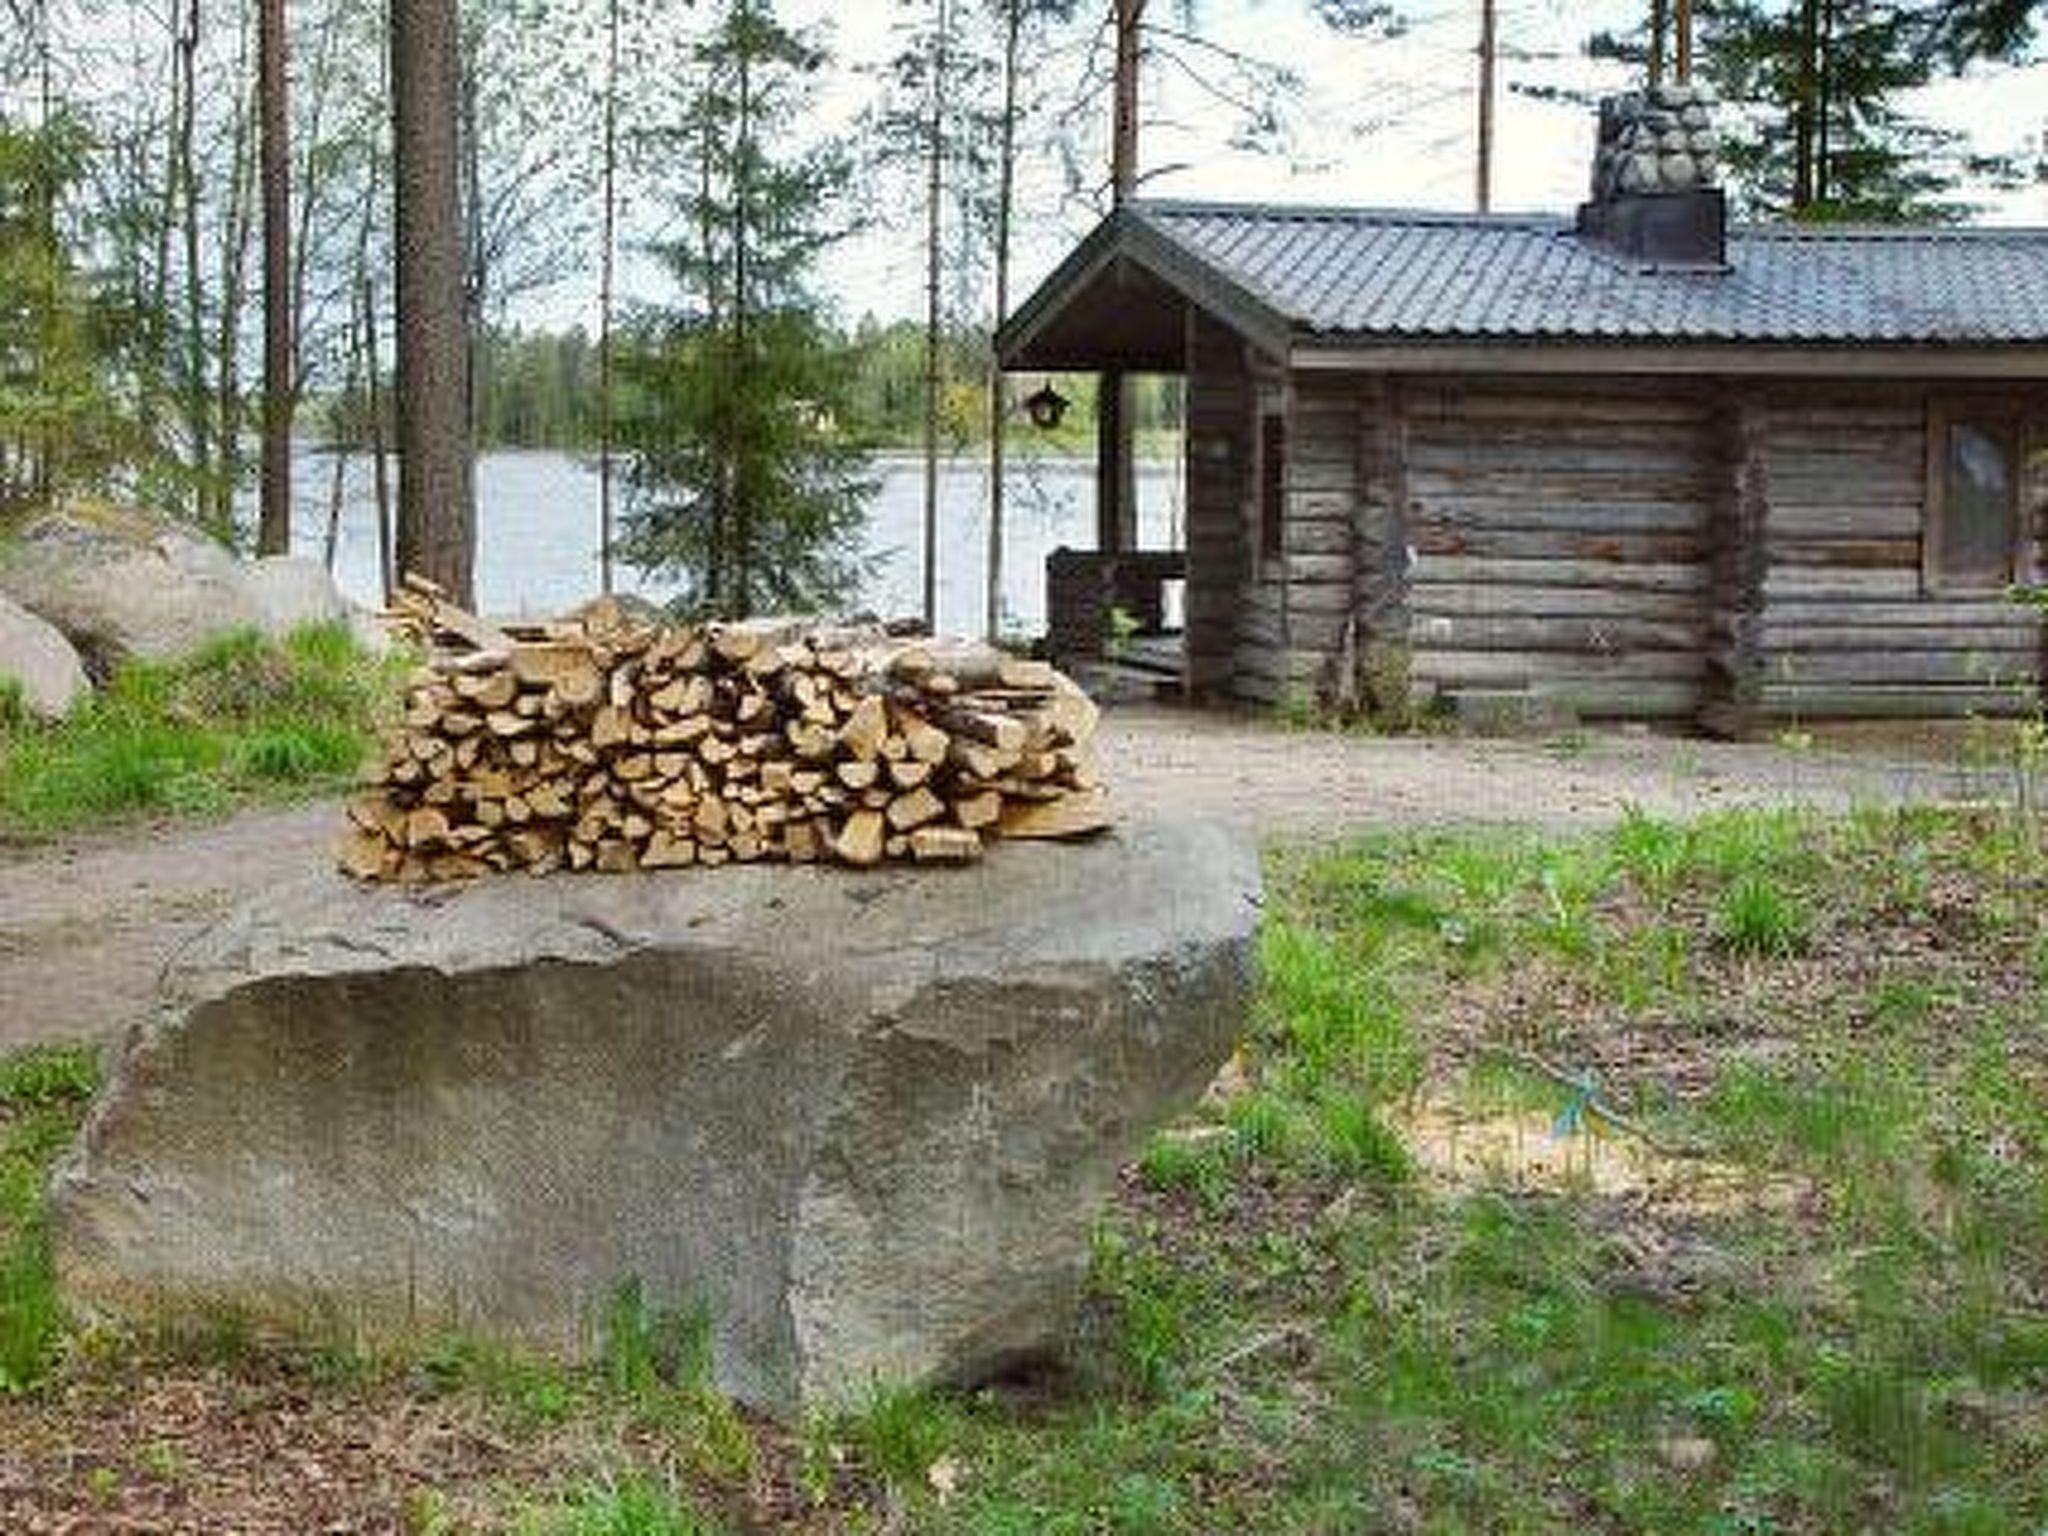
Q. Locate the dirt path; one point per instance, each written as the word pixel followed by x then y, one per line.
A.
pixel 87 926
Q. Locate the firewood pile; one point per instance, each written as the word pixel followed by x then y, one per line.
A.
pixel 613 743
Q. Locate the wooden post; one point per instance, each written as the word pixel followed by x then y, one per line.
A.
pixel 1737 563
pixel 1682 38
pixel 1113 516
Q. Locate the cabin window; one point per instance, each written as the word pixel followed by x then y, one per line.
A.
pixel 1972 535
pixel 1272 482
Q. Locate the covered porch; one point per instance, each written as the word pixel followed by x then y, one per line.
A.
pixel 1116 611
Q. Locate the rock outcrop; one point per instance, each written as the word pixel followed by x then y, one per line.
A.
pixel 864 1119
pixel 38 657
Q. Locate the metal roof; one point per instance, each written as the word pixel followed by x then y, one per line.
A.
pixel 1345 274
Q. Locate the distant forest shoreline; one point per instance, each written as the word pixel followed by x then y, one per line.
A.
pixel 539 389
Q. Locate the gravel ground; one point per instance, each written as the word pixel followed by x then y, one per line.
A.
pixel 87 924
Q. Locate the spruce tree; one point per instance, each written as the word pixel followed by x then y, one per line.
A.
pixel 742 480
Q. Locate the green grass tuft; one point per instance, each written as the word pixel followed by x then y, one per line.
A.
pixel 244 716
pixel 631 1506
pixel 1758 916
pixel 43 1094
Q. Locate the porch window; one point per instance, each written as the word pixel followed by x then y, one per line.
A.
pixel 1972 538
pixel 1272 482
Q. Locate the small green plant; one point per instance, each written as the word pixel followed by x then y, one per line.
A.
pixel 14 711
pixel 1358 1144
pixel 628 1506
pixel 1120 627
pixel 1757 916
pixel 900 1435
pixel 1296 709
pixel 1196 1164
pixel 647 1348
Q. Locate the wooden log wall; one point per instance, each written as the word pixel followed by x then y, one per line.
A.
pixel 1219 445
pixel 1560 533
pixel 1297 619
pixel 1261 665
pixel 1624 548
pixel 1848 629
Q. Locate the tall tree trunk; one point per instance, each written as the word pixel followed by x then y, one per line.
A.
pixel 43 475
pixel 387 562
pixel 1489 32
pixel 280 370
pixel 436 496
pixel 230 398
pixel 192 396
pixel 1116 513
pixel 717 317
pixel 1823 110
pixel 475 264
pixel 998 404
pixel 1123 143
pixel 1805 111
pixel 934 373
pixel 605 424
pixel 742 304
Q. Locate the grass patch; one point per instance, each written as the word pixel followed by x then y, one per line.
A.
pixel 43 1093
pixel 1827 1310
pixel 634 1506
pixel 243 718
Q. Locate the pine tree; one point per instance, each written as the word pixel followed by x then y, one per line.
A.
pixel 742 481
pixel 1828 140
pixel 1812 129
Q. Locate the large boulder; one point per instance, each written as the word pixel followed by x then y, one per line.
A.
pixel 865 1120
pixel 290 591
pixel 122 583
pixel 39 658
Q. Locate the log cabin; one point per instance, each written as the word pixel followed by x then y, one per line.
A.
pixel 1631 464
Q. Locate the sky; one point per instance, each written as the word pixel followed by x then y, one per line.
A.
pixel 1378 122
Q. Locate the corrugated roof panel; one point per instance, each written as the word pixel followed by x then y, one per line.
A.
pixel 1367 272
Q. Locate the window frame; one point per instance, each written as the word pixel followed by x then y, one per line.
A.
pixel 2005 419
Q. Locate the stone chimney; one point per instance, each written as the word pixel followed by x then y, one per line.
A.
pixel 1656 195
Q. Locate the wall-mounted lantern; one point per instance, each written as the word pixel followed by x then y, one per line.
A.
pixel 1046 406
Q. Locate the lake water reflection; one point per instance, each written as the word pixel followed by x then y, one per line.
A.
pixel 537 531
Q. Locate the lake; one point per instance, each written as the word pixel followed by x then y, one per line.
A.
pixel 537 535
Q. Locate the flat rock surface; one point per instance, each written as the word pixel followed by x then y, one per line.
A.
pixel 88 924
pixel 863 1120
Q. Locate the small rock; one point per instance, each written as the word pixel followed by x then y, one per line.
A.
pixel 1687 1453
